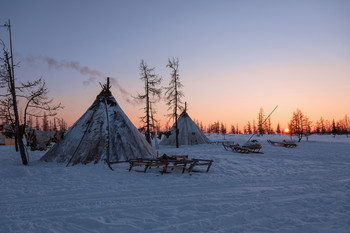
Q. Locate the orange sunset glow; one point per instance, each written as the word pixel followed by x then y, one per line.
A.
pixel 229 68
pixel 175 116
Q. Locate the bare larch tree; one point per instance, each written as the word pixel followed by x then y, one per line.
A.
pixel 173 94
pixel 299 124
pixel 8 81
pixel 261 116
pixel 151 82
pixel 36 101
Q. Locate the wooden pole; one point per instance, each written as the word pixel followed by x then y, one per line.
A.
pixel 13 73
pixel 108 86
pixel 263 122
pixel 19 129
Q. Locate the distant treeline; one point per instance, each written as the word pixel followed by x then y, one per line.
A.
pixel 299 124
pixel 43 123
pixel 47 124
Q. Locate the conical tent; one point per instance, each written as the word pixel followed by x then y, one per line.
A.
pixel 104 132
pixel 189 132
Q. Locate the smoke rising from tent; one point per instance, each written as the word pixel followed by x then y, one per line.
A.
pixel 127 96
pixel 89 81
pixel 52 63
pixel 84 70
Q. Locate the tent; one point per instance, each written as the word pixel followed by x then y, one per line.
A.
pixel 189 132
pixel 104 133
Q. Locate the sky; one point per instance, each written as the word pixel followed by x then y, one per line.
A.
pixel 235 57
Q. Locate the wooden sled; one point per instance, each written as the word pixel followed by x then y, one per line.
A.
pixel 244 149
pixel 283 144
pixel 166 163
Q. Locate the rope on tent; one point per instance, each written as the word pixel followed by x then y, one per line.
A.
pixel 87 128
pixel 108 150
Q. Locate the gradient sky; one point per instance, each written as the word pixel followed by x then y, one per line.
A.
pixel 235 56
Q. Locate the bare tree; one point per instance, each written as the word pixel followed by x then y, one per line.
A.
pixel 37 102
pixel 233 129
pixel 8 81
pixel 45 123
pixel 6 110
pixel 173 94
pixel 62 124
pixel 269 126
pixel 151 81
pixel 299 124
pixel 255 131
pixel 37 126
pixel 249 128
pixel 346 125
pixel 278 129
pixel 201 126
pixel 30 122
pixel 54 124
pixel 321 126
pixel 308 125
pixel 223 129
pixel 217 127
pixel 261 117
pixel 209 129
pixel 334 128
pixel 35 98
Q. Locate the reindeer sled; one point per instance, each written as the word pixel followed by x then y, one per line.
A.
pixel 284 143
pixel 250 147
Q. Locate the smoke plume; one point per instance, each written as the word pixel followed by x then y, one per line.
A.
pixel 84 70
pixel 90 80
pixel 52 63
pixel 126 95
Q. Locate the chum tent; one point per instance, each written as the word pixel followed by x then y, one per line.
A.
pixel 103 133
pixel 189 132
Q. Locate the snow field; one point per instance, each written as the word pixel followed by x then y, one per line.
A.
pixel 303 189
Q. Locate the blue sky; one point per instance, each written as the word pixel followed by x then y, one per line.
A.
pixel 235 56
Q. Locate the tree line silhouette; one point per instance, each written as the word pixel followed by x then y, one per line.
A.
pixel 299 125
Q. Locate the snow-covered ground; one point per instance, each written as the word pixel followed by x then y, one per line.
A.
pixel 303 189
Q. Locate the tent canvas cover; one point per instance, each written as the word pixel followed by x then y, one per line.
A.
pixel 104 133
pixel 189 132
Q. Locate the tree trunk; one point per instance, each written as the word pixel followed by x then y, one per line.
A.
pixel 21 145
pixel 148 136
pixel 300 137
pixel 16 140
pixel 19 132
pixel 176 103
pixel 177 134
